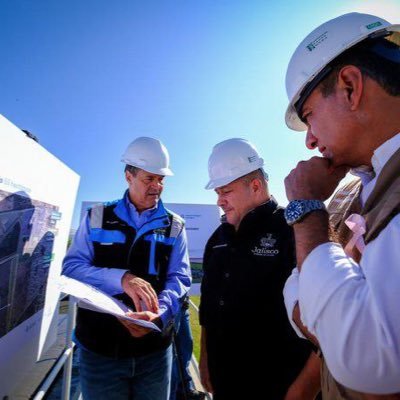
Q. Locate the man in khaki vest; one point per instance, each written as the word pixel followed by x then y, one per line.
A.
pixel 343 84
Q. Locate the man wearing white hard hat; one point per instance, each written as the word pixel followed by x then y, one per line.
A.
pixel 135 250
pixel 343 84
pixel 245 329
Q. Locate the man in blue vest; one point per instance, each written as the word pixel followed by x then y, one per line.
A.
pixel 135 250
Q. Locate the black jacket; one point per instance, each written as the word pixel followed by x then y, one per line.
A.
pixel 242 306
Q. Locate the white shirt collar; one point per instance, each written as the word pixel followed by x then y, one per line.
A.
pixel 379 159
pixel 364 172
pixel 384 152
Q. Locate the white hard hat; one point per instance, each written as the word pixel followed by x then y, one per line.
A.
pixel 230 160
pixel 148 154
pixel 307 65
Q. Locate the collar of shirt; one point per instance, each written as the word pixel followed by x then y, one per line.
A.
pixel 364 172
pixel 380 157
pixel 384 152
pixel 139 218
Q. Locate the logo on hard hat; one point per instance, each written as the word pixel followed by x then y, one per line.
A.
pixel 374 25
pixel 311 46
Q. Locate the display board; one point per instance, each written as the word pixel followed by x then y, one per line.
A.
pixel 201 222
pixel 37 195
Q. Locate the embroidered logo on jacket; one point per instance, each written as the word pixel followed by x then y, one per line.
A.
pixel 266 247
pixel 160 231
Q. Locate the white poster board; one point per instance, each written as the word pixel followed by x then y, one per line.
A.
pixel 37 195
pixel 201 222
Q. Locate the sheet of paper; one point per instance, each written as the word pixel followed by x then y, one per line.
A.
pixel 94 299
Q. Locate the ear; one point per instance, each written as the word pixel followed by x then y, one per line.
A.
pixel 350 80
pixel 255 185
pixel 128 177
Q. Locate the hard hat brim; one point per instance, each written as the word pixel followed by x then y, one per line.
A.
pixel 156 171
pixel 162 171
pixel 293 121
pixel 216 183
pixel 291 117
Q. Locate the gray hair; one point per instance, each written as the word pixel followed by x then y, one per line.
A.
pixel 131 169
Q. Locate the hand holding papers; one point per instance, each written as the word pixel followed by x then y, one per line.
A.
pixel 94 299
pixel 141 292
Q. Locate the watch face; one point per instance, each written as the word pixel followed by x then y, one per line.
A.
pixel 297 209
pixel 294 211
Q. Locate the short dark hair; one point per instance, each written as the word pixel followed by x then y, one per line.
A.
pixel 131 169
pixel 257 174
pixel 377 67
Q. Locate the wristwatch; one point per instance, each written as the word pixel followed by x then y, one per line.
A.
pixel 296 210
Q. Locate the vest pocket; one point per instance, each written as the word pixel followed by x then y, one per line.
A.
pixel 155 238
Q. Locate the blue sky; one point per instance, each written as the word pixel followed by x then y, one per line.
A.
pixel 89 76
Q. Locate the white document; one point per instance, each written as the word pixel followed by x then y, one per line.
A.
pixel 94 299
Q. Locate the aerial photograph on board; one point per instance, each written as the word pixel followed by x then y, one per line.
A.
pixel 27 231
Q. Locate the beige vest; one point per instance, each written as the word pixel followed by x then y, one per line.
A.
pixel 381 206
